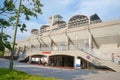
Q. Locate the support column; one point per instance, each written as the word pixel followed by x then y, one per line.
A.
pixel 77 40
pixel 30 59
pixel 40 47
pixel 51 45
pixel 39 43
pixel 88 65
pixel 47 60
pixel 118 40
pixel 67 44
pixel 75 59
pixel 90 41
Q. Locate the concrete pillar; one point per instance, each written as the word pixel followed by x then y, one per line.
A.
pixel 90 41
pixel 30 59
pixel 76 39
pixel 67 43
pixel 47 60
pixel 51 45
pixel 75 58
pixel 119 40
pixel 40 46
pixel 88 65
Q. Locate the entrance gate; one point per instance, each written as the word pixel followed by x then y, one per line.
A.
pixel 38 59
pixel 61 61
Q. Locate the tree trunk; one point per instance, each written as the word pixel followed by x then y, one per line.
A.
pixel 14 40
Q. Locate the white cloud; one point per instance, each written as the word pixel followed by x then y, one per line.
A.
pixel 66 2
pixel 30 25
pixel 68 8
pixel 105 8
pixel 51 6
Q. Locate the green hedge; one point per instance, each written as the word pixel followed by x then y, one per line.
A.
pixel 1 53
pixel 6 74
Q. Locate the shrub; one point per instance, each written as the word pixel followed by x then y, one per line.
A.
pixel 6 74
pixel 1 53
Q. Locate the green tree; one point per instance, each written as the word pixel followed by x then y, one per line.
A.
pixel 4 43
pixel 15 12
pixel 6 11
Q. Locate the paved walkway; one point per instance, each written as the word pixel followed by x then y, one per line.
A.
pixel 66 74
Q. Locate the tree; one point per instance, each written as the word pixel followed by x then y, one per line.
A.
pixel 27 9
pixel 6 9
pixel 4 43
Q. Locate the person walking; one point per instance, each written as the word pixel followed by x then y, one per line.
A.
pixel 118 59
pixel 112 56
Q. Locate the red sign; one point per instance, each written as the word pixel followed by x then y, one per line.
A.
pixel 46 52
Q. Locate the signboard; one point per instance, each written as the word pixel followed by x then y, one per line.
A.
pixel 46 52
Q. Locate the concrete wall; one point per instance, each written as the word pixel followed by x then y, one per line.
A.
pixel 106 35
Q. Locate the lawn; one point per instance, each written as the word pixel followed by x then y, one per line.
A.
pixel 6 74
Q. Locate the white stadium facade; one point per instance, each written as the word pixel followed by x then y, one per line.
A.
pixel 82 42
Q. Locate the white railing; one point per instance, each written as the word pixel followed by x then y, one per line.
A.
pixel 94 52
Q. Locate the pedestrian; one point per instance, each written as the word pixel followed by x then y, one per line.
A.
pixel 112 56
pixel 44 62
pixel 118 59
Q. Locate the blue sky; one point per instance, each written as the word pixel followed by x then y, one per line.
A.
pixel 106 10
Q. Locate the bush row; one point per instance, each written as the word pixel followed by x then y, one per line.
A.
pixel 6 74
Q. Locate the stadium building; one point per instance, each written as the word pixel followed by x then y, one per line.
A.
pixel 82 42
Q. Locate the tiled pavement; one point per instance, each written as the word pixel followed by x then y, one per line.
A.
pixel 66 74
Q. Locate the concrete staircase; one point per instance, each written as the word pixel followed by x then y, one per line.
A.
pixel 98 61
pixel 87 55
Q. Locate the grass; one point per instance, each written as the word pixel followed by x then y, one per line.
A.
pixel 6 74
